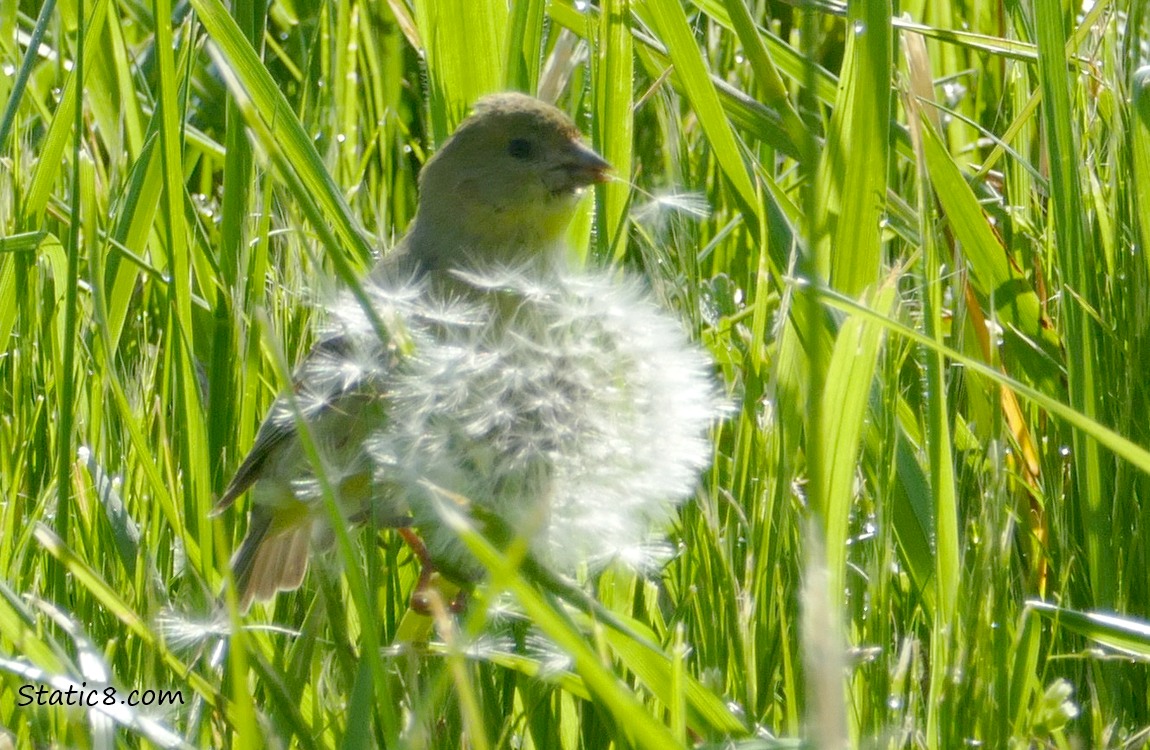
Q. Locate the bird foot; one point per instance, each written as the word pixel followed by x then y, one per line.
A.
pixel 430 585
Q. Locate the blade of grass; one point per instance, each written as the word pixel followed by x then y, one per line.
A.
pixel 670 21
pixel 1124 634
pixel 852 170
pixel 1077 258
pixel 613 128
pixel 26 64
pixel 1090 428
pixel 846 396
pixel 250 82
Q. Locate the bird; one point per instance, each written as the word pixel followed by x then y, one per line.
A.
pixel 545 396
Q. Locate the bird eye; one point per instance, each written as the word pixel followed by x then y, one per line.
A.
pixel 520 148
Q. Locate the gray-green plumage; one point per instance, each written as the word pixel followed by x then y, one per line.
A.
pixel 500 191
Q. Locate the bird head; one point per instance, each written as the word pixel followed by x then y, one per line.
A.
pixel 504 186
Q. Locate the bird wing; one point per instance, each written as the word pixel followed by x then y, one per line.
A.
pixel 338 373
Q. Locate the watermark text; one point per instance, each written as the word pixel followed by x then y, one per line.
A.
pixel 84 696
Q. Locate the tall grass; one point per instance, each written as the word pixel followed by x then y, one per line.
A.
pixel 921 273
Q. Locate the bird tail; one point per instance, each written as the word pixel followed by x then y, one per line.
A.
pixel 270 560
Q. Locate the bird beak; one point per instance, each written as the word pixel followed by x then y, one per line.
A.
pixel 585 166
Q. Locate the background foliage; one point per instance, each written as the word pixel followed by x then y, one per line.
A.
pixel 912 236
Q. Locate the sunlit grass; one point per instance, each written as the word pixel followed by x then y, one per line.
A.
pixel 918 265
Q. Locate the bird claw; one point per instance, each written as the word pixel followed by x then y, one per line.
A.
pixel 426 588
pixel 426 592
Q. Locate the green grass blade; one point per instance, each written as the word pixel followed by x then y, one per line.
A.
pixel 280 129
pixel 853 166
pixel 633 722
pixel 1077 259
pixel 18 86
pixel 846 397
pixel 613 133
pixel 1124 634
pixel 1090 428
pixel 51 153
pixel 461 41
pixel 670 21
pixel 1029 345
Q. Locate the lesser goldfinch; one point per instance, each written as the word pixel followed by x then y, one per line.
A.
pixel 566 404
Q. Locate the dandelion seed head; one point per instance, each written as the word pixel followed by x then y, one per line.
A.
pixel 573 409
